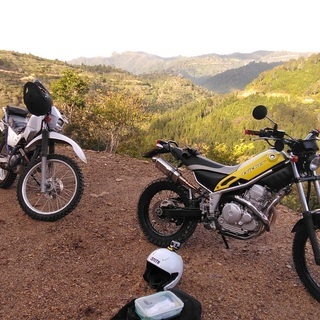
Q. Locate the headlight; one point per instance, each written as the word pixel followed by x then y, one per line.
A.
pixel 56 124
pixel 60 123
pixel 314 162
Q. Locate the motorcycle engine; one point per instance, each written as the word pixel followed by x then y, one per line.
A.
pixel 238 218
pixel 15 163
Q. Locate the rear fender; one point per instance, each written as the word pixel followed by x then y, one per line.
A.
pixel 59 138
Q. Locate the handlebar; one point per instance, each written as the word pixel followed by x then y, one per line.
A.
pixel 279 134
pixel 271 133
pixel 251 132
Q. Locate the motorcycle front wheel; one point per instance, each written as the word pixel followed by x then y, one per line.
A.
pixel 64 188
pixel 305 265
pixel 159 229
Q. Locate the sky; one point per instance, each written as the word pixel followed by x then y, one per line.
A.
pixel 69 29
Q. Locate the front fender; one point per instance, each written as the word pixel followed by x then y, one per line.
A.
pixel 60 138
pixel 315 219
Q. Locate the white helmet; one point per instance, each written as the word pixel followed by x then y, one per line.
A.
pixel 164 269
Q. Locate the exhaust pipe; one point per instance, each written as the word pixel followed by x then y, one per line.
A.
pixel 171 172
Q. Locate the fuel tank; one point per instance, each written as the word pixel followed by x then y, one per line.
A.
pixel 252 168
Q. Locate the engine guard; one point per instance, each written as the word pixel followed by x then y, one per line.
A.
pixel 60 138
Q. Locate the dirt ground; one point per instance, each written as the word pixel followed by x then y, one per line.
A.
pixel 90 263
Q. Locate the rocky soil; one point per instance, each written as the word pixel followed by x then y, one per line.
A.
pixel 90 263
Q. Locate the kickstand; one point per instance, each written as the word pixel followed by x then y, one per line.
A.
pixel 225 242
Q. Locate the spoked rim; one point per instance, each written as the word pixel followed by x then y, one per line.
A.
pixel 61 187
pixel 163 225
pixel 3 174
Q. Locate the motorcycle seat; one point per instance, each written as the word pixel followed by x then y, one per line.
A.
pixel 17 123
pixel 16 111
pixel 202 163
pixel 194 161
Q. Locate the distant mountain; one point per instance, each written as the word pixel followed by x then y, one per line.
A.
pixel 201 70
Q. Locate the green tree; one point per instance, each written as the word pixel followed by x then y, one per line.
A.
pixel 109 120
pixel 70 90
pixel 120 115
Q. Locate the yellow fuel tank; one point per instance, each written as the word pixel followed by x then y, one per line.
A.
pixel 253 168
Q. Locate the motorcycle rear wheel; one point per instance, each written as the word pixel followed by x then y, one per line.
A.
pixel 7 177
pixel 303 258
pixel 64 188
pixel 161 230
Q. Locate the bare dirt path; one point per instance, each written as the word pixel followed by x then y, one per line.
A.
pixel 89 264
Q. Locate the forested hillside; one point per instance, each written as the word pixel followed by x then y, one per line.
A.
pixel 159 91
pixel 291 92
pixel 126 113
pixel 113 104
pixel 234 79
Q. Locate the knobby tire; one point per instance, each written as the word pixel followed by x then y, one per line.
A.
pixel 66 192
pixel 7 177
pixel 303 258
pixel 149 221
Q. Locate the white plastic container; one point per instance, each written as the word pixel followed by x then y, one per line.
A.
pixel 160 305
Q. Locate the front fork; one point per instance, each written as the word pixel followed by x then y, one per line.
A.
pixel 308 223
pixel 308 217
pixel 44 156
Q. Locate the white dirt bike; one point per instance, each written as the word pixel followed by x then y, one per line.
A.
pixel 50 185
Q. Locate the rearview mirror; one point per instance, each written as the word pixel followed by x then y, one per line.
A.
pixel 259 112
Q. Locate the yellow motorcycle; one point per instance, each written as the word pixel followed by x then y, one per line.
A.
pixel 237 201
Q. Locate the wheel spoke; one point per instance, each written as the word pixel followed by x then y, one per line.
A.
pixel 160 223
